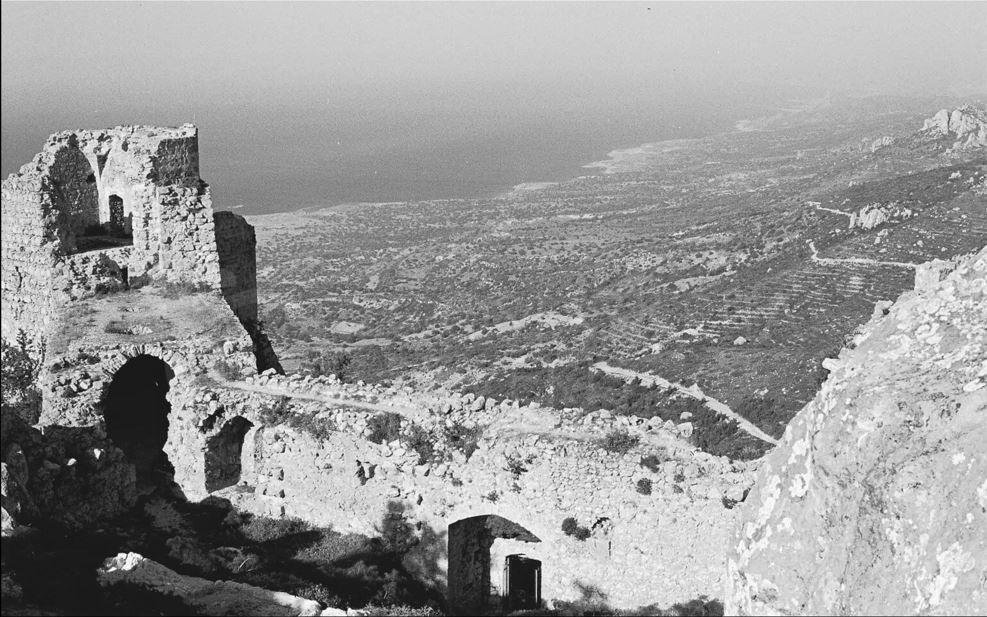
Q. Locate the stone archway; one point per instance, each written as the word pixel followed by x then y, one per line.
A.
pixel 135 410
pixel 224 450
pixel 470 561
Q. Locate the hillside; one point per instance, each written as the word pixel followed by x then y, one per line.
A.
pixel 739 262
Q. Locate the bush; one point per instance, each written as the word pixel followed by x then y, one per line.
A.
pixel 19 378
pixel 571 527
pixel 464 439
pixel 116 327
pixel 644 486
pixel 619 441
pixel 336 363
pixel 420 441
pixel 264 529
pixel 226 370
pixel 653 461
pixel 179 289
pixel 384 427
pixel 516 465
pixel 277 412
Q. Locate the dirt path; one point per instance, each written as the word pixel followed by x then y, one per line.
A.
pixel 719 407
pixel 830 261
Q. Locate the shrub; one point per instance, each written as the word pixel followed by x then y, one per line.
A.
pixel 619 441
pixel 516 465
pixel 179 289
pixel 116 327
pixel 226 370
pixel 18 378
pixel 420 440
pixel 653 461
pixel 336 363
pixel 569 525
pixel 492 496
pixel 277 412
pixel 265 529
pixel 384 427
pixel 644 486
pixel 462 438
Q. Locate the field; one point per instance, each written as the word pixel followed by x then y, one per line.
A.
pixel 727 261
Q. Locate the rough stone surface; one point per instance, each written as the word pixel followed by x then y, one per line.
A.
pixel 876 502
pixel 205 596
pixel 966 126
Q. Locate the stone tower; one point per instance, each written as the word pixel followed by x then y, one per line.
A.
pixel 96 211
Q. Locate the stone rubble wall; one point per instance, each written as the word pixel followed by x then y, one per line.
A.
pixel 663 547
pixel 71 475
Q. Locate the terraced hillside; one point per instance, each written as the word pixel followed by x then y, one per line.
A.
pixel 739 262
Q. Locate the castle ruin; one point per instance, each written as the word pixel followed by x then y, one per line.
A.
pixel 142 303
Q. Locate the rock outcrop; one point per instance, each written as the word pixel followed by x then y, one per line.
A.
pixel 205 596
pixel 967 126
pixel 876 501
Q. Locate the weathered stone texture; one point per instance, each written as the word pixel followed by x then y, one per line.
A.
pixel 236 244
pixel 68 188
pixel 876 502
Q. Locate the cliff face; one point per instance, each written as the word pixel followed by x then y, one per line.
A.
pixel 876 501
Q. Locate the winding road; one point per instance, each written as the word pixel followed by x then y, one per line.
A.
pixel 719 407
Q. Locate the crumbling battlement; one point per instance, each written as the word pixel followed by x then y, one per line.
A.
pixel 95 210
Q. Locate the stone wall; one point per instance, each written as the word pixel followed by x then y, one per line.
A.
pixel 236 244
pixel 305 452
pixel 67 188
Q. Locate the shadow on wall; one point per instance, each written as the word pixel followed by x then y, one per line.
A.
pixel 236 245
pixel 135 410
pixel 470 541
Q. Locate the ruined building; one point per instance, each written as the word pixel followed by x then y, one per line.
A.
pixel 142 304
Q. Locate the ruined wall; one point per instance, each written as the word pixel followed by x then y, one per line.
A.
pixel 67 188
pixel 28 243
pixel 307 456
pixel 236 244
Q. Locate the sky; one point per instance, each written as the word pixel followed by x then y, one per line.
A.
pixel 379 76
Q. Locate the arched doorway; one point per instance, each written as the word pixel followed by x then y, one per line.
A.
pixel 471 568
pixel 223 454
pixel 135 409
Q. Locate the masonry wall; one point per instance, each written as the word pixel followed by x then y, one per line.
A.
pixel 659 548
pixel 27 242
pixel 236 244
pixel 67 188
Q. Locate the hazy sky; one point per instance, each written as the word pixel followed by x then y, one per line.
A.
pixel 246 68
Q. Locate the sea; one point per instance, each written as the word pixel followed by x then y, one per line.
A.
pixel 259 163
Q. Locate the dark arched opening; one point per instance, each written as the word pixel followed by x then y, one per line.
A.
pixel 223 454
pixel 117 222
pixel 470 567
pixel 136 409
